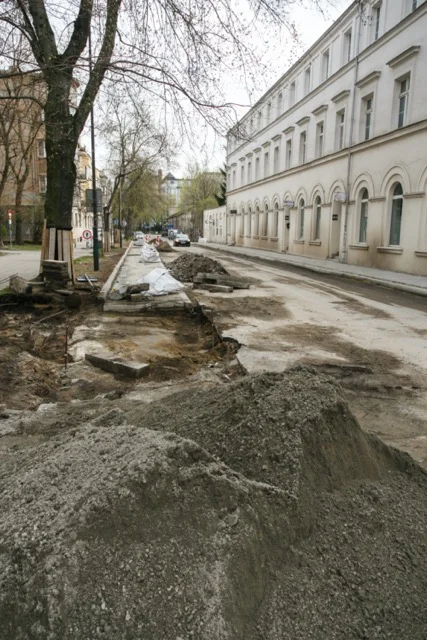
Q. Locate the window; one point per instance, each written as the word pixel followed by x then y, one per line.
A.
pixel 276 220
pixel 288 153
pixel 251 125
pixel 319 139
pixel 368 117
pixel 269 112
pixel 249 171
pixel 301 220
pixel 307 80
pixel 317 219
pixel 396 215
pixel 42 184
pixel 265 221
pixel 41 149
pixel 414 4
pixel 363 221
pixel 276 159
pixel 292 93
pixel 325 65
pixel 347 46
pixel 279 103
pixel 266 164
pixel 376 21
pixel 256 168
pixel 249 221
pixel 259 120
pixel 242 175
pixel 256 225
pixel 340 130
pixel 234 178
pixel 303 147
pixel 403 102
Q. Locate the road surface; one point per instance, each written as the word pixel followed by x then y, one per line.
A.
pixel 24 263
pixel 374 340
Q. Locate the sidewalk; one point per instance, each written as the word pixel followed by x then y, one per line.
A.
pixel 391 279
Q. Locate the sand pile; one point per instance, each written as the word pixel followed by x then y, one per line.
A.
pixel 187 266
pixel 266 514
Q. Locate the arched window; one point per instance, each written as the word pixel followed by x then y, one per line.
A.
pixel 317 217
pixel 363 220
pixel 396 215
pixel 249 233
pixel 276 220
pixel 256 223
pixel 265 221
pixel 301 219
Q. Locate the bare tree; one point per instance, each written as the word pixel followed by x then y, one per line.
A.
pixel 174 49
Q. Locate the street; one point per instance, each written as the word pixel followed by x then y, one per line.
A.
pixel 373 339
pixel 25 263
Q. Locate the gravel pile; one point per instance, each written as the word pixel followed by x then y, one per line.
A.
pixel 188 265
pixel 256 510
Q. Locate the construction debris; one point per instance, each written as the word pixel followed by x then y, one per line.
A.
pixel 257 509
pixel 55 272
pixel 117 365
pixel 213 288
pixel 126 292
pixel 214 278
pixel 189 265
pixel 20 285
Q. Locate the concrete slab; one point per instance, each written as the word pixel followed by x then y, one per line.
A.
pixel 130 271
pixel 115 365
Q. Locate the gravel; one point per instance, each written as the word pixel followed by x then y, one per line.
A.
pixel 188 265
pixel 256 510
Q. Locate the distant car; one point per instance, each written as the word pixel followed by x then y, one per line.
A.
pixel 138 235
pixel 172 233
pixel 181 240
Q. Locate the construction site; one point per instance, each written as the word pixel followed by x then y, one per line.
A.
pixel 196 446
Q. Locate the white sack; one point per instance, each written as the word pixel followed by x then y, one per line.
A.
pixel 149 254
pixel 161 283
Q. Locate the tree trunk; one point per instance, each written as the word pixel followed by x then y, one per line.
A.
pixel 61 144
pixel 18 208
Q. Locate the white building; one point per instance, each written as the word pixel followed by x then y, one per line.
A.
pixel 214 225
pixel 332 161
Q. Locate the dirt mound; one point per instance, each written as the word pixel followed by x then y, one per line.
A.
pixel 313 530
pixel 187 266
pixel 164 247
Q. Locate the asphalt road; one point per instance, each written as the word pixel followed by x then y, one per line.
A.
pixel 24 263
pixel 292 316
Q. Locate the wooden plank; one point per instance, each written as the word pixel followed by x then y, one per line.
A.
pixel 66 251
pixel 59 240
pixel 71 246
pixel 52 238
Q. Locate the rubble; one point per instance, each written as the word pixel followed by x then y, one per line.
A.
pixel 217 282
pixel 117 365
pixel 189 265
pixel 258 509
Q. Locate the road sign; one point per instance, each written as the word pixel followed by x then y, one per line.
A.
pixel 87 234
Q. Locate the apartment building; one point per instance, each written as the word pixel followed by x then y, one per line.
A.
pixel 331 161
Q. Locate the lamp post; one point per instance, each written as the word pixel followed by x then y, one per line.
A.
pixel 94 199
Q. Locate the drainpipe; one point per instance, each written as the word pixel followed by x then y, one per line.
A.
pixel 351 135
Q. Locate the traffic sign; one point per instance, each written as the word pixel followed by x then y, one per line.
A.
pixel 87 234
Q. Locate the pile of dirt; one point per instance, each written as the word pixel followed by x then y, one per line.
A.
pixel 267 514
pixel 188 265
pixel 164 247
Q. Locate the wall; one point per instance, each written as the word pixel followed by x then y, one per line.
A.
pixel 214 225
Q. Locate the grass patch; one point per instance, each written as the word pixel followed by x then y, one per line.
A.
pixel 83 260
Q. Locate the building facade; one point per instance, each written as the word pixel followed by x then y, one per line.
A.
pixel 331 161
pixel 214 225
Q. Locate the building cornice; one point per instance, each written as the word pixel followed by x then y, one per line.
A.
pixel 242 159
pixel 405 55
pixel 289 130
pixel 341 96
pixel 319 110
pixel 249 155
pixel 276 138
pixel 257 150
pixel 374 75
pixel 266 144
pixel 303 121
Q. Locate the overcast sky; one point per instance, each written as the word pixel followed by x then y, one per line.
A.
pixel 281 52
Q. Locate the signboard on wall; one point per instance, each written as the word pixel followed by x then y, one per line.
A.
pixel 340 196
pixel 288 203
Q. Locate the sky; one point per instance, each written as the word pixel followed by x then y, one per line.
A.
pixel 208 149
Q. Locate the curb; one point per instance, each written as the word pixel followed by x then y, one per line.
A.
pixel 102 296
pixel 390 284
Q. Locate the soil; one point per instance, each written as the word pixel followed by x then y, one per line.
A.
pixel 256 510
pixel 188 265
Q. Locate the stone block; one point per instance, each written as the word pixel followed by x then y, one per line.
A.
pixel 111 364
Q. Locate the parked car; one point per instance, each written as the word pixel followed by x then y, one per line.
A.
pixel 172 233
pixel 181 240
pixel 138 235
